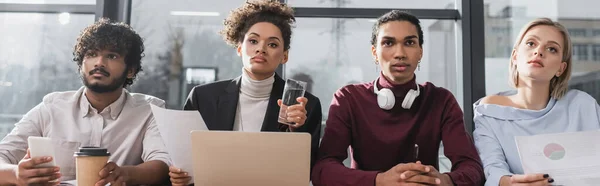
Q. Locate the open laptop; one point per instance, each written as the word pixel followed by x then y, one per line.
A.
pixel 223 158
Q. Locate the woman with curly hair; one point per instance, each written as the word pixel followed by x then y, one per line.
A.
pixel 261 33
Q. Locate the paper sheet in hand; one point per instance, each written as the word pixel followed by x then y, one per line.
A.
pixel 570 158
pixel 175 127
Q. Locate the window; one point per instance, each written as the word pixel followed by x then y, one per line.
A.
pixel 499 44
pixel 580 52
pixel 500 30
pixel 36 59
pixel 596 52
pixel 343 55
pixel 181 36
pixel 596 32
pixel 497 41
pixel 576 32
pixel 578 17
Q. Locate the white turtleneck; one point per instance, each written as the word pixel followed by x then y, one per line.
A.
pixel 253 102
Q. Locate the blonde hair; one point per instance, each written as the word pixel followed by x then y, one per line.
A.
pixel 558 85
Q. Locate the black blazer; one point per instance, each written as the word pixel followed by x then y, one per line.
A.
pixel 217 103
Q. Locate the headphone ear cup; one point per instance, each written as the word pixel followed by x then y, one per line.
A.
pixel 409 99
pixel 386 99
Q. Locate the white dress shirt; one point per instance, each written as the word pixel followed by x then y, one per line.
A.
pixel 126 128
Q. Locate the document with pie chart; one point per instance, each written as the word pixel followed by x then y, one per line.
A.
pixel 570 158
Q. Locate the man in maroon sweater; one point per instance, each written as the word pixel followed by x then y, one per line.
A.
pixel 383 138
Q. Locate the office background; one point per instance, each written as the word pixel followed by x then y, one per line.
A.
pixel 466 49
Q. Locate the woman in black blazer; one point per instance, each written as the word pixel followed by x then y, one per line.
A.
pixel 261 33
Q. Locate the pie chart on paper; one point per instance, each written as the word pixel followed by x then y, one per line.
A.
pixel 554 151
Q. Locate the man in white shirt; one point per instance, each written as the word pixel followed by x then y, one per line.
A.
pixel 101 114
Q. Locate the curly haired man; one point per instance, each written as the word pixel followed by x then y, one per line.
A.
pixel 100 114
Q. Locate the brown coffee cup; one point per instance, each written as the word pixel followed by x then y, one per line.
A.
pixel 89 161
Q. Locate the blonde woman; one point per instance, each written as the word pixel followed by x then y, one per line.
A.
pixel 540 68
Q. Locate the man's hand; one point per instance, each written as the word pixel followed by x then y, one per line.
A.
pixel 179 177
pixel 113 174
pixel 445 180
pixel 406 174
pixel 28 174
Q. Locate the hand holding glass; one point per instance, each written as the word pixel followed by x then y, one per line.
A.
pixel 293 89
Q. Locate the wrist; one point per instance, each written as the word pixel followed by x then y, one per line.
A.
pixel 127 172
pixel 9 172
pixel 14 170
pixel 504 180
pixel 378 179
pixel 446 180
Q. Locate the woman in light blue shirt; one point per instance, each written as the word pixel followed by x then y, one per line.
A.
pixel 540 68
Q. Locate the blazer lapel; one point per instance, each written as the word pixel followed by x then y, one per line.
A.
pixel 270 122
pixel 227 104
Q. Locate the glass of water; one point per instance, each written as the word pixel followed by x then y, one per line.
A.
pixel 293 89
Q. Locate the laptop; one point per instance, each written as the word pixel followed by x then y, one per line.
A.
pixel 224 158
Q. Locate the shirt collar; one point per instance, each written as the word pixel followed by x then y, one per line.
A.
pixel 114 108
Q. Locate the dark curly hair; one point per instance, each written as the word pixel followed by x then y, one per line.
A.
pixel 397 15
pixel 116 37
pixel 242 18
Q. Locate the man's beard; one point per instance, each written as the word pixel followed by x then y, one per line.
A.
pixel 98 88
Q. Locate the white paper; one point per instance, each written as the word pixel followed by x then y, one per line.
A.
pixel 175 127
pixel 569 158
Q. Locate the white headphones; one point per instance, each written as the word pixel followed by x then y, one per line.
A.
pixel 386 98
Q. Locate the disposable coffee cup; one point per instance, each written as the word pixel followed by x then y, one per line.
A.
pixel 89 161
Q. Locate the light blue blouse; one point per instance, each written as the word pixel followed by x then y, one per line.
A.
pixel 496 127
